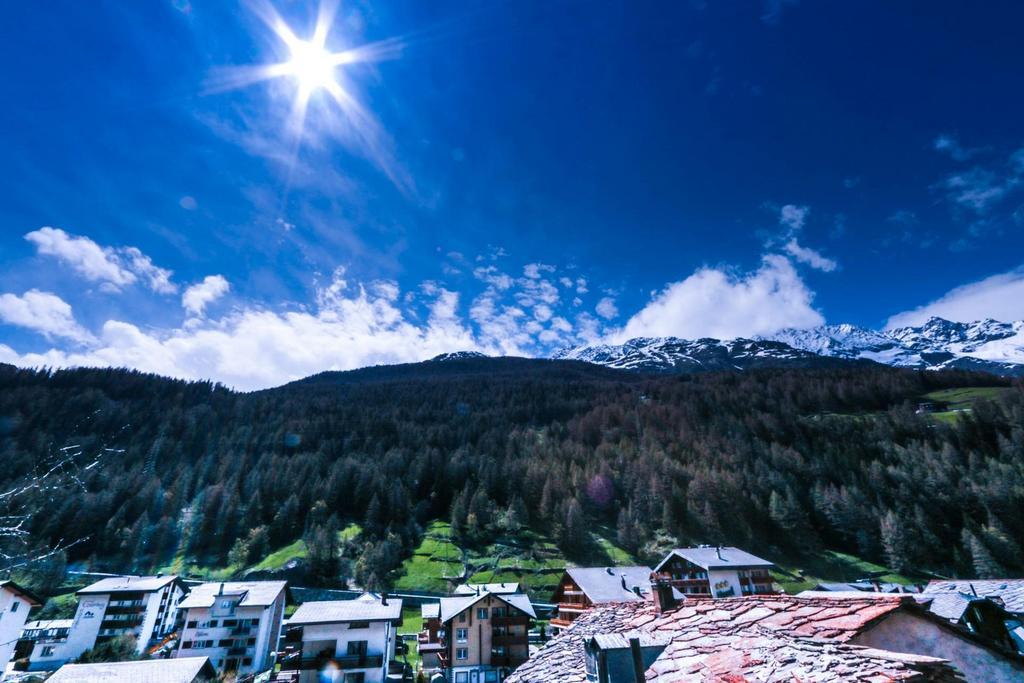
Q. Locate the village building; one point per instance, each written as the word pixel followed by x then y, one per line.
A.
pixel 716 572
pixel 187 670
pixel 982 605
pixel 344 641
pixel 821 637
pixel 15 603
pixel 41 642
pixel 477 636
pixel 235 624
pixel 143 607
pixel 580 588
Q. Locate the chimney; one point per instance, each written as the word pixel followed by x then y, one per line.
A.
pixel 636 589
pixel 623 579
pixel 384 598
pixel 638 660
pixel 718 551
pixel 974 592
pixel 221 592
pixel 661 591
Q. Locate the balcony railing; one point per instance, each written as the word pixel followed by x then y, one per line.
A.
pixel 343 662
pixel 510 639
pixel 510 620
pixel 571 607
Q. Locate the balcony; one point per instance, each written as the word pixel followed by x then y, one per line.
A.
pixel 510 639
pixel 560 623
pixel 517 620
pixel 572 607
pixel 344 662
pixel 507 660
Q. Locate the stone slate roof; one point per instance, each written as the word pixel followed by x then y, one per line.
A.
pixel 722 557
pixel 1009 591
pixel 128 584
pixel 764 638
pixel 366 607
pixel 604 584
pixel 184 670
pixel 256 593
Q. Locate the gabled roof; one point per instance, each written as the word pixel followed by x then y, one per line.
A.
pixel 26 594
pixel 453 606
pixel 367 607
pixel 430 610
pixel 746 637
pixel 717 557
pixel 184 670
pixel 128 584
pixel 1009 591
pixel 605 584
pixel 254 593
pixel 494 588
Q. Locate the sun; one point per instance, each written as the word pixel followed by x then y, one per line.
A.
pixel 312 66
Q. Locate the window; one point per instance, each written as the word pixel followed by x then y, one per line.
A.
pixel 247 661
pixel 356 648
pixel 462 653
pixel 192 624
pixel 226 643
pixel 462 617
pixel 481 612
pixel 47 651
pixel 225 604
pixel 461 677
pixel 359 624
pixel 490 677
pixel 14 606
pixel 498 650
pixel 186 645
pixel 212 623
pixel 229 623
pixel 250 642
pixel 461 635
pixel 498 612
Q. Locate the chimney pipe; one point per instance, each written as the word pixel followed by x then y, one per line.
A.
pixel 608 570
pixel 623 579
pixel 638 660
pixel 384 598
pixel 718 551
pixel 661 591
pixel 972 589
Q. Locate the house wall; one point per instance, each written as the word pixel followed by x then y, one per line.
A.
pixel 478 666
pixel 724 580
pixel 379 637
pixel 266 636
pixel 13 612
pixel 904 632
pixel 85 628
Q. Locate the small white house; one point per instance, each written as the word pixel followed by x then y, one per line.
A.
pixel 47 639
pixel 235 624
pixel 190 670
pixel 15 603
pixel 141 606
pixel 346 640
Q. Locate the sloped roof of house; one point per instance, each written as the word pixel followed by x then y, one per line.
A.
pixel 605 584
pixel 28 595
pixel 47 624
pixel 430 610
pixel 950 605
pixel 184 670
pixel 1009 591
pixel 453 606
pixel 731 636
pixel 367 607
pixel 128 584
pixel 254 593
pixel 717 557
pixel 495 588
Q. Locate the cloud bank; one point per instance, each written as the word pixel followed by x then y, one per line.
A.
pixel 1000 297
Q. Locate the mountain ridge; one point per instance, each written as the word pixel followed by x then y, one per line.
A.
pixel 987 345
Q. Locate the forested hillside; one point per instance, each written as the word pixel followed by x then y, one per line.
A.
pixel 777 461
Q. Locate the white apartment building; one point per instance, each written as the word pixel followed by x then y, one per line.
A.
pixel 236 624
pixel 15 603
pixel 345 641
pixel 141 606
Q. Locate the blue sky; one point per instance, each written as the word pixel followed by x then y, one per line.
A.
pixel 514 177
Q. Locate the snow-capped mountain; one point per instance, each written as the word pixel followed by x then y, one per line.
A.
pixel 986 345
pixel 457 355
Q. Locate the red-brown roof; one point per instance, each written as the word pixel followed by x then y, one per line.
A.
pixel 764 638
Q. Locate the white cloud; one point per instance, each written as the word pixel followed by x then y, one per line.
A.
pixel 113 268
pixel 188 203
pixel 534 270
pixel 809 256
pixel 1000 297
pixel 254 348
pixel 714 302
pixel 494 277
pixel 606 308
pixel 793 217
pixel 951 146
pixel 42 312
pixel 978 189
pixel 198 296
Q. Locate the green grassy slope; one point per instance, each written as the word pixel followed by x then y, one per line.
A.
pixel 833 567
pixel 960 400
